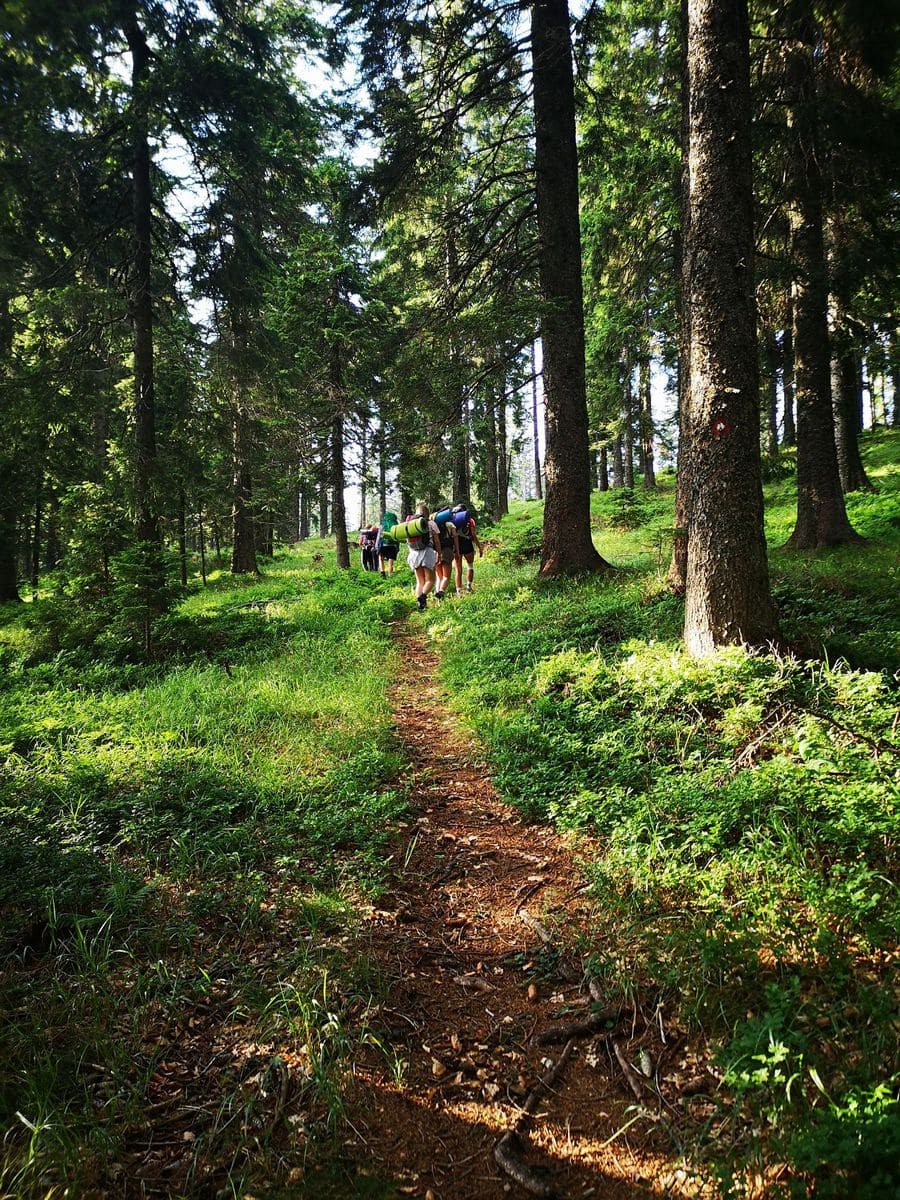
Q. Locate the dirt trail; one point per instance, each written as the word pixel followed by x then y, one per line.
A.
pixel 474 982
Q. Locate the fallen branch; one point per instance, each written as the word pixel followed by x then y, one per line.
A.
pixel 508 1151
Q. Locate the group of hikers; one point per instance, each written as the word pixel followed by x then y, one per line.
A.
pixel 437 544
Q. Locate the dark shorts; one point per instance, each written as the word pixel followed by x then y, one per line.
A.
pixel 448 554
pixel 389 553
pixel 466 547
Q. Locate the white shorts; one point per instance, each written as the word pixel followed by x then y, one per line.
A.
pixel 422 558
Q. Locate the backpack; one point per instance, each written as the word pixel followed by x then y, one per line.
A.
pixel 420 541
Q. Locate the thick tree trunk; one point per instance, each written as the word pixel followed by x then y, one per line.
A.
pixel 603 470
pixel 678 565
pixel 821 514
pixel 145 483
pixel 567 546
pixel 844 390
pixel 535 428
pixel 727 597
pixel 243 544
pixel 645 421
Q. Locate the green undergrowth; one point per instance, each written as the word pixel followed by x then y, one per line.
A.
pixel 185 843
pixel 739 814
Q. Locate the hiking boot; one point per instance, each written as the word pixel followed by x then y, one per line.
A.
pixel 438 595
pixel 421 601
pixel 459 591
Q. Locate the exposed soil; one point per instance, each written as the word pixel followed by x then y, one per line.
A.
pixel 475 939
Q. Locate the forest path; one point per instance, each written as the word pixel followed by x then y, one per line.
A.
pixel 475 977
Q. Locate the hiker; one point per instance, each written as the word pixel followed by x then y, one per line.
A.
pixel 447 556
pixel 367 539
pixel 386 547
pixel 424 552
pixel 467 539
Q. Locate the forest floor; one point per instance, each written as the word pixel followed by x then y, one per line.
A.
pixel 477 939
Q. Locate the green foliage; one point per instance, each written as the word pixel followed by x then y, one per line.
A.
pixel 741 811
pixel 213 815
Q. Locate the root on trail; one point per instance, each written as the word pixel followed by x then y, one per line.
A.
pixel 508 1151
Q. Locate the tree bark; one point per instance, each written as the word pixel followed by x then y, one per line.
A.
pixel 618 463
pixel 535 428
pixel 645 422
pixel 182 536
pixel 603 472
pixel 338 514
pixel 567 544
pixel 821 514
pixel 844 390
pixel 9 570
pixel 491 473
pixel 502 459
pixel 304 512
pixel 678 565
pixel 789 429
pixel 770 390
pixel 628 426
pixel 201 546
pixel 727 597
pixel 145 483
pixel 362 475
pixel 243 545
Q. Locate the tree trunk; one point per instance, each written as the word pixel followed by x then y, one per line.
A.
pixel 789 430
pixel 821 514
pixel 770 387
pixel 382 471
pixel 201 545
pixel 844 390
pixel 182 536
pixel 502 459
pixel 535 428
pixel 678 565
pixel 603 472
pixel 491 474
pixel 338 514
pixel 304 512
pixel 618 463
pixel 645 421
pixel 243 545
pixel 895 385
pixel 628 427
pixel 567 544
pixel 36 536
pixel 145 484
pixel 9 573
pixel 53 552
pixel 363 467
pixel 727 597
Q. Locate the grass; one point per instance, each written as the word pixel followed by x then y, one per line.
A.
pixel 190 838
pixel 741 813
pixel 186 845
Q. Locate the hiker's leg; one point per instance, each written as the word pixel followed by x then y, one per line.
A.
pixel 457 562
pixel 470 571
